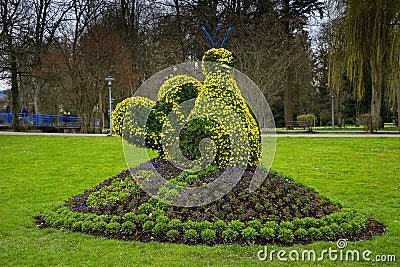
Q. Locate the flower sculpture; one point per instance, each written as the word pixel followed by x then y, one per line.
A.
pixel 210 129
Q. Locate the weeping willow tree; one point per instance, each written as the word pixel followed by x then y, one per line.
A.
pixel 370 47
pixel 394 75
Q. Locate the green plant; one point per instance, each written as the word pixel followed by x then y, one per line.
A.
pixel 301 234
pixel 173 234
pixel 115 219
pixel 286 225
pixel 145 208
pixel 128 117
pixel 175 224
pixel 272 224
pixel 87 226
pixel 141 219
pixel 220 226
pixel 203 225
pixel 77 226
pixel 208 236
pixel 100 226
pixel 310 119
pixel 326 232
pixel 229 235
pixel 285 235
pixel 176 81
pixel 148 226
pixel 256 224
pixel 236 225
pixel 128 228
pixel 314 233
pixel 129 217
pixel 162 218
pixel 267 233
pixel 157 213
pixel 299 223
pixel 191 235
pixel 336 230
pixel 113 228
pixel 249 234
pixel 189 225
pixel 159 228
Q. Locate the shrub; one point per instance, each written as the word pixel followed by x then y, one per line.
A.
pixel 163 219
pixel 286 225
pixel 229 235
pixel 159 228
pixel 181 93
pixel 336 230
pixel 272 224
pixel 138 108
pixel 370 122
pixel 309 118
pixel 301 234
pixel 267 233
pixel 69 222
pixel 236 225
pixel 145 208
pixel 286 235
pixel 157 213
pixel 203 225
pixel 173 234
pixel 87 226
pixel 208 236
pixel 128 228
pixel 141 219
pixel 173 82
pixel 91 217
pixel 100 226
pixel 148 226
pixel 191 235
pixel 326 232
pixel 220 135
pixel 249 234
pixel 189 225
pixel 315 233
pixel 58 223
pixel 256 224
pixel 129 217
pixel 175 224
pixel 115 219
pixel 299 223
pixel 113 228
pixel 220 226
pixel 77 226
pixel 312 222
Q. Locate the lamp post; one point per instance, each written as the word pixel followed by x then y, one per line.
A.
pixel 333 110
pixel 109 80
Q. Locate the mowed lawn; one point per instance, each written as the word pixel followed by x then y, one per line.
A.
pixel 38 172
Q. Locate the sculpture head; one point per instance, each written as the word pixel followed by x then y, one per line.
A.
pixel 218 62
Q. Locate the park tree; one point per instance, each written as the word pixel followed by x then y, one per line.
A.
pixel 370 48
pixel 27 29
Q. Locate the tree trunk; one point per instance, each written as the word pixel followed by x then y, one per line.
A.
pixel 288 98
pixel 398 103
pixel 15 94
pixel 376 99
pixel 288 94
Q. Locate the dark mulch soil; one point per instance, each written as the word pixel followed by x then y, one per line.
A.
pixel 278 199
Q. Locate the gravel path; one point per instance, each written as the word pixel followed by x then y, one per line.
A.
pixel 294 135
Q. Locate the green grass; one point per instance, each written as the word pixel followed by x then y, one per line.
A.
pixel 38 172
